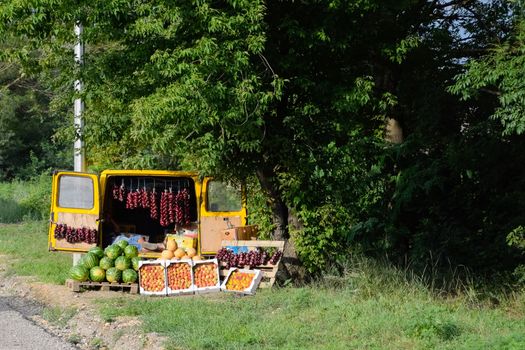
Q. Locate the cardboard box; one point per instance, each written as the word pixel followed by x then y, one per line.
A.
pixel 172 264
pixel 241 233
pixel 146 264
pixel 183 242
pixel 207 289
pixel 251 289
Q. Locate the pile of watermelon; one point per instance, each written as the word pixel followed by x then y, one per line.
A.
pixel 119 262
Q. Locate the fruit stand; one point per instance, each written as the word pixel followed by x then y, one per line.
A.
pixel 239 267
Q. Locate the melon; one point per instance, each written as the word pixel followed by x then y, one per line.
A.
pixel 113 251
pixel 122 263
pixel 79 273
pixel 89 260
pixel 191 252
pixel 97 274
pixel 131 251
pixel 122 244
pixel 166 254
pixel 113 275
pixel 97 251
pixel 171 245
pixel 185 257
pixel 129 276
pixel 179 253
pixel 135 263
pixel 106 263
pixel 197 258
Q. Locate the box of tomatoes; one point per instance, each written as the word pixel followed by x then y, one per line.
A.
pixel 242 281
pixel 206 276
pixel 152 277
pixel 179 277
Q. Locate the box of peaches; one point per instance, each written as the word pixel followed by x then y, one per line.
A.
pixel 242 281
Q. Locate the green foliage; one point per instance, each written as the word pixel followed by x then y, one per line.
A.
pixel 25 200
pixel 499 73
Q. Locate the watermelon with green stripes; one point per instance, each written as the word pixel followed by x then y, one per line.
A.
pixel 113 275
pixel 129 276
pixel 79 273
pixel 97 251
pixel 113 251
pixel 131 251
pixel 89 260
pixel 122 263
pixel 106 263
pixel 97 274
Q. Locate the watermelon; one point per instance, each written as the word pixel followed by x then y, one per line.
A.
pixel 113 275
pixel 135 263
pixel 129 276
pixel 89 260
pixel 97 251
pixel 79 273
pixel 97 274
pixel 113 251
pixel 122 244
pixel 131 251
pixel 122 263
pixel 106 263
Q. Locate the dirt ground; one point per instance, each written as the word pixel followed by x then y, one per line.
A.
pixel 86 329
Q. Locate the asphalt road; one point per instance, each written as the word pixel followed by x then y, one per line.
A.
pixel 17 332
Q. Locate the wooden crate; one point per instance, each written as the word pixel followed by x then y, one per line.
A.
pixel 268 271
pixel 77 286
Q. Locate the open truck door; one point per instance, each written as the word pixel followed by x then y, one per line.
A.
pixel 75 204
pixel 222 206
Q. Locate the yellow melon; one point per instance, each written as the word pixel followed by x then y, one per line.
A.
pixel 179 253
pixel 166 255
pixel 185 257
pixel 171 245
pixel 197 258
pixel 191 252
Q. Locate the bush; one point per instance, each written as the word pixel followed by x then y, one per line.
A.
pixel 25 200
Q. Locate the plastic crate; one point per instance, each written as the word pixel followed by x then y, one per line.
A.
pixel 172 264
pixel 251 289
pixel 146 265
pixel 216 287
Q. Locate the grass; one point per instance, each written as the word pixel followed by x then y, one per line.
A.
pixel 371 306
pixel 25 200
pixel 26 245
pixel 58 316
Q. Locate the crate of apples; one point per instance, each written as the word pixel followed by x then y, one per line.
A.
pixel 206 276
pixel 242 281
pixel 179 277
pixel 152 277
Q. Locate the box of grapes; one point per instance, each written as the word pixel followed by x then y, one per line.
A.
pixel 179 277
pixel 242 281
pixel 152 277
pixel 206 276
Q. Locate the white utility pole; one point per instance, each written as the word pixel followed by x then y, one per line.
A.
pixel 79 156
pixel 79 159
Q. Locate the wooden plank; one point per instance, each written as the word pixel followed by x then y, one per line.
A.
pixel 275 244
pixel 264 284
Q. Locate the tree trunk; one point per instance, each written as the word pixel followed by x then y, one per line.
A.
pixel 283 218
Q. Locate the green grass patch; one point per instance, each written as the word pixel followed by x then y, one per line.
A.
pixel 58 316
pixel 26 246
pixel 363 314
pixel 25 200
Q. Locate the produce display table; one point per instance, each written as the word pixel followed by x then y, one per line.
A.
pixel 269 271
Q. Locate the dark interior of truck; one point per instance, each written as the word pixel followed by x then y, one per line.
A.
pixel 118 218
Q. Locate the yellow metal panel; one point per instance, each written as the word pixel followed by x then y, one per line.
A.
pixel 56 209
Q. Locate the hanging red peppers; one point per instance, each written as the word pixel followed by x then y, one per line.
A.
pixel 164 208
pixel 154 209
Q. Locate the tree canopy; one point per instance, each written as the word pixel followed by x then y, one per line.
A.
pixel 298 94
